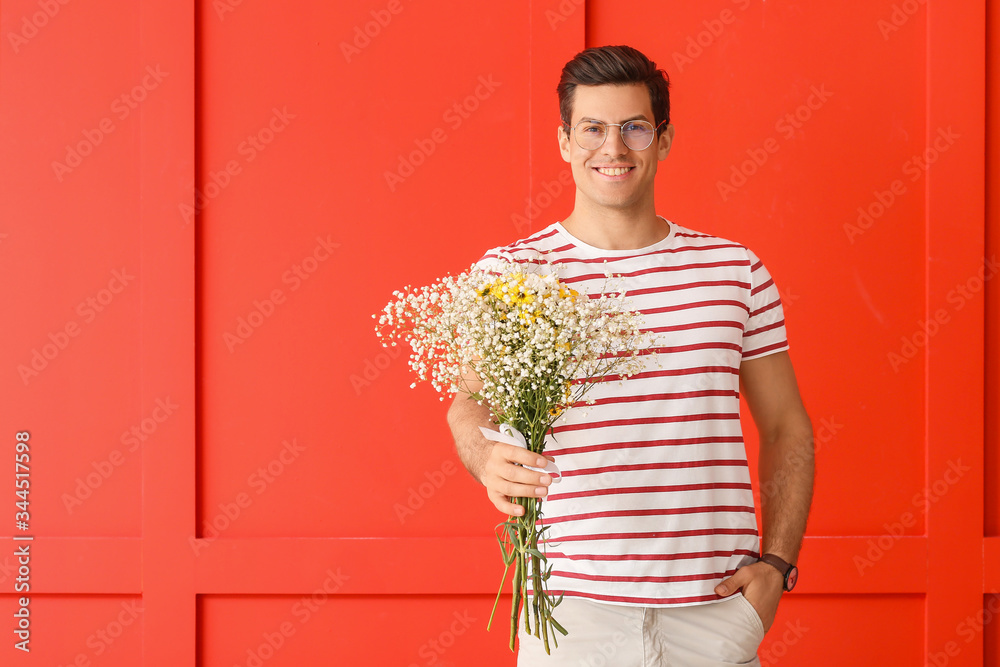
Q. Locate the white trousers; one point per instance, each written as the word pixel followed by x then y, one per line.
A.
pixel 727 632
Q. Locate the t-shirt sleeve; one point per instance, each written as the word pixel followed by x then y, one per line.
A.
pixel 765 330
pixel 493 258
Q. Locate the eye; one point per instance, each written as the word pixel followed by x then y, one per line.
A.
pixel 635 127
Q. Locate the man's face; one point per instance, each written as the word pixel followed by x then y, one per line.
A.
pixel 614 104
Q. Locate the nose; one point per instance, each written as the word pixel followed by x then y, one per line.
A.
pixel 614 144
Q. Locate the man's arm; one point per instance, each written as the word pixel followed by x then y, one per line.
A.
pixel 465 416
pixel 785 462
pixel 491 463
pixel 786 475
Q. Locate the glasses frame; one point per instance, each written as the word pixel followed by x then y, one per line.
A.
pixel 621 132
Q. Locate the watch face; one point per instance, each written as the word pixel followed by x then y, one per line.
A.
pixel 791 578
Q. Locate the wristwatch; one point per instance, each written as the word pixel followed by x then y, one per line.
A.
pixel 789 572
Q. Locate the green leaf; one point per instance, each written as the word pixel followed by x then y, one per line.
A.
pixel 506 556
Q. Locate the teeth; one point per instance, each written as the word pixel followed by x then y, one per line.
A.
pixel 618 171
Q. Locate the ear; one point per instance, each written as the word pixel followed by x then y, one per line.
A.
pixel 664 142
pixel 564 140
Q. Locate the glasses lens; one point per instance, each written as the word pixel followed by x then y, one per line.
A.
pixel 637 134
pixel 590 135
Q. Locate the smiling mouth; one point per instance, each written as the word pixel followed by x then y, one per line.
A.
pixel 614 171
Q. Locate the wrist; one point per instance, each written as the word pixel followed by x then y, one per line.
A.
pixel 789 572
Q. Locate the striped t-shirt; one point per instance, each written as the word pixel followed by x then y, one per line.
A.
pixel 655 505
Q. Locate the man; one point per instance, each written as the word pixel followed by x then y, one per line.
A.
pixel 653 537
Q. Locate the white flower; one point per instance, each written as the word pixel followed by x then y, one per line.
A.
pixel 509 325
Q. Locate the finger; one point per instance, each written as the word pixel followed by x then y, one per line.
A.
pixel 507 461
pixel 522 456
pixel 520 475
pixel 730 585
pixel 503 504
pixel 517 490
pixel 501 491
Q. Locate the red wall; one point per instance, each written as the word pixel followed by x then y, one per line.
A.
pixel 202 206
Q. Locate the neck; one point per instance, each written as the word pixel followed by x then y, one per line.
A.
pixel 616 229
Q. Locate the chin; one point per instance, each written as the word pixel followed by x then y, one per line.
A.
pixel 616 202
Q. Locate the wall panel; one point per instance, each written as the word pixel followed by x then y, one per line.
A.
pixel 202 205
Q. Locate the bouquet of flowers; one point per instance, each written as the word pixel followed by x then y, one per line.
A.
pixel 537 347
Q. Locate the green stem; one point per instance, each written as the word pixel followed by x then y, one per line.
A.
pixel 516 603
pixel 499 591
pixel 522 558
pixel 540 601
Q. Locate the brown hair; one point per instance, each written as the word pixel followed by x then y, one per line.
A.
pixel 615 65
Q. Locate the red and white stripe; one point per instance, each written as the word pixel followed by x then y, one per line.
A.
pixel 655 505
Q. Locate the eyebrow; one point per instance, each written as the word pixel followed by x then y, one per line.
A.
pixel 637 117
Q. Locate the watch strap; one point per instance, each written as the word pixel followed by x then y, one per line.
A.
pixel 780 565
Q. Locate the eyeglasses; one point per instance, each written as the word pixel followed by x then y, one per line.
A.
pixel 637 134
